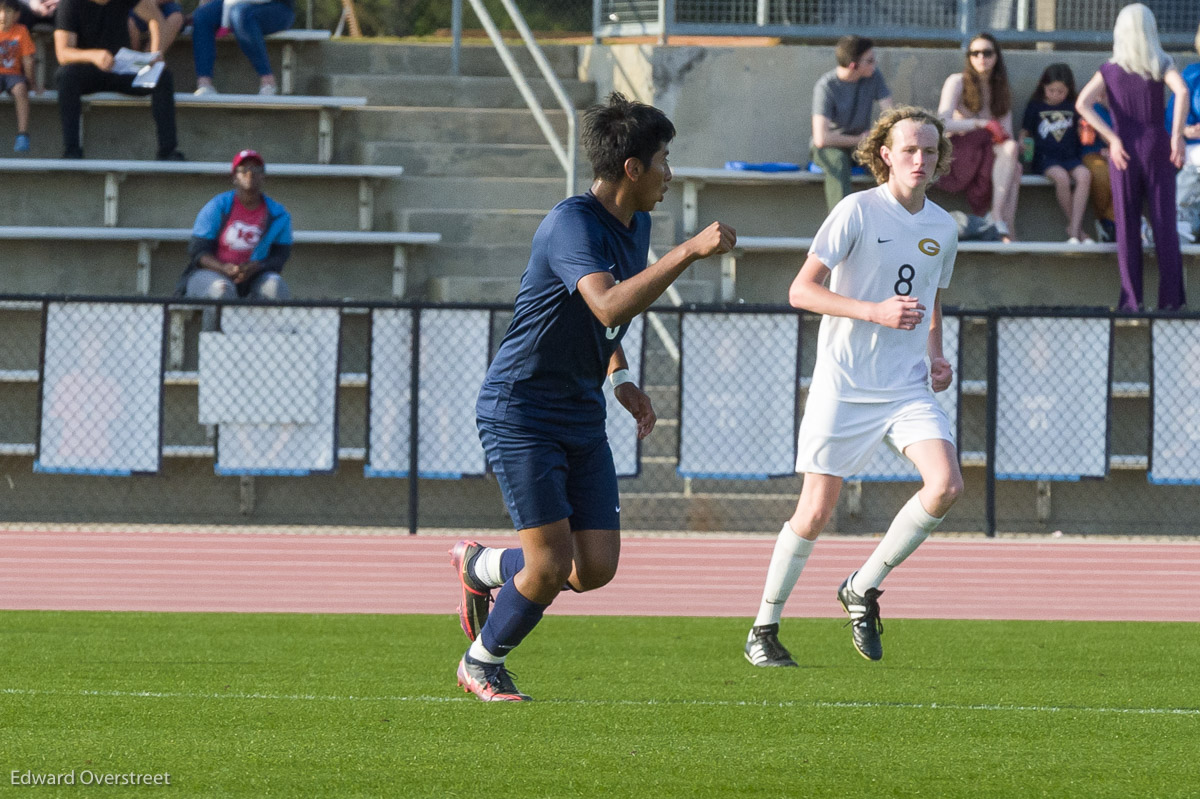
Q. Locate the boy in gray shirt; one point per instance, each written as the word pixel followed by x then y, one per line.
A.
pixel 841 112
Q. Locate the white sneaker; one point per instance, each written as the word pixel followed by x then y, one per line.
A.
pixel 205 89
pixel 267 90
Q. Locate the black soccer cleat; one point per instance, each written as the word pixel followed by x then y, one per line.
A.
pixel 491 682
pixel 763 647
pixel 865 624
pixel 476 598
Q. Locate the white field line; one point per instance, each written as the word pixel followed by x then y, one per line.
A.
pixel 818 704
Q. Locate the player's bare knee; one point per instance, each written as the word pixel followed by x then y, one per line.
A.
pixel 809 522
pixel 596 576
pixel 948 490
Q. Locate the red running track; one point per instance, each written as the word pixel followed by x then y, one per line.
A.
pixel 1066 579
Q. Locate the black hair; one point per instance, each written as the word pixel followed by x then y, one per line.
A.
pixel 621 129
pixel 851 48
pixel 13 4
pixel 1060 73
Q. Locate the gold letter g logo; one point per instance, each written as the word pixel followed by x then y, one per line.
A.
pixel 929 247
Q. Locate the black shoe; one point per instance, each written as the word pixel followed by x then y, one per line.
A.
pixel 490 682
pixel 74 152
pixel 476 598
pixel 174 155
pixel 763 647
pixel 865 623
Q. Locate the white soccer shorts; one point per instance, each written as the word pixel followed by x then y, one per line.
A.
pixel 838 438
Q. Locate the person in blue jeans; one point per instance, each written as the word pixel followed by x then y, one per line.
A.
pixel 250 22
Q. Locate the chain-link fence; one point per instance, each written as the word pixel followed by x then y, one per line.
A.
pixel 1080 22
pixel 143 411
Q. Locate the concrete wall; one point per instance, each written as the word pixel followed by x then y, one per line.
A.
pixel 755 103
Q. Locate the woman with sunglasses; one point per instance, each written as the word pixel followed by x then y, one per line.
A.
pixel 976 106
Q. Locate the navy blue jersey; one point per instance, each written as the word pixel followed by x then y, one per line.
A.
pixel 552 362
pixel 1055 133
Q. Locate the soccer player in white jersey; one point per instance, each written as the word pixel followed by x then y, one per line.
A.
pixel 886 254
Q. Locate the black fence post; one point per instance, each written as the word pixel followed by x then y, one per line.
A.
pixel 414 418
pixel 993 369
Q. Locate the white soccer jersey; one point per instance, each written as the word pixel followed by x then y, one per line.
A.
pixel 876 249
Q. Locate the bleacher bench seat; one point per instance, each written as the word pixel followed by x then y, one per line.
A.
pixel 115 170
pixel 323 105
pixel 43 36
pixel 695 178
pixel 146 238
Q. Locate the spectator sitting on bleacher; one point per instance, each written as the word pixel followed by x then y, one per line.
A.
pixel 87 34
pixel 1095 158
pixel 1050 121
pixel 841 112
pixel 250 21
pixel 240 241
pixel 1143 157
pixel 1187 182
pixel 37 12
pixel 976 105
pixel 16 67
pixel 139 31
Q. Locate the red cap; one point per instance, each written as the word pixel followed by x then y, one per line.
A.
pixel 246 155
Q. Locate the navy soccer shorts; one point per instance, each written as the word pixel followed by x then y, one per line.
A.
pixel 546 477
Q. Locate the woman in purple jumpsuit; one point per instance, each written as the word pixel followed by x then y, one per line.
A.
pixel 1142 159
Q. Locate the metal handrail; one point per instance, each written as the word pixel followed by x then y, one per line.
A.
pixel 565 154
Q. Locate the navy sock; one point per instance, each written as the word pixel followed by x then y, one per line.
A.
pixel 511 619
pixel 512 560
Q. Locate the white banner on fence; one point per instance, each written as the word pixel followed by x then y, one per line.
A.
pixel 1175 449
pixel 269 382
pixel 101 392
pixel 622 429
pixel 454 360
pixel 738 398
pixel 887 464
pixel 391 369
pixel 1052 398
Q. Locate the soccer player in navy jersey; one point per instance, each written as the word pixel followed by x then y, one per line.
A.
pixel 541 411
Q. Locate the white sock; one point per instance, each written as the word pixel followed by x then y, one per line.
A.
pixel 486 567
pixel 479 652
pixel 912 525
pixel 787 561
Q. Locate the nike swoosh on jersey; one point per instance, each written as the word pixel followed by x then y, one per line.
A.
pixel 882 241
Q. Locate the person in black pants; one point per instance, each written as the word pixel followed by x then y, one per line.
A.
pixel 87 34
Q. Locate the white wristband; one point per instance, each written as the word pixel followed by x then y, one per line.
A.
pixel 620 376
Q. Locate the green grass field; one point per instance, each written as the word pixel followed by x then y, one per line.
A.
pixel 310 706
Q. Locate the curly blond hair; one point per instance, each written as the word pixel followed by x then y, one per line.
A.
pixel 867 152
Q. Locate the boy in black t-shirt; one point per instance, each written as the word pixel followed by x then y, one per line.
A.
pixel 87 35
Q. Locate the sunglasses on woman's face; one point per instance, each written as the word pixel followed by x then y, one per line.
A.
pixel 984 53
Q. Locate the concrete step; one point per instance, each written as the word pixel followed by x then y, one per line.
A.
pixel 429 191
pixel 490 227
pixel 437 91
pixel 451 125
pixel 466 160
pixel 348 56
